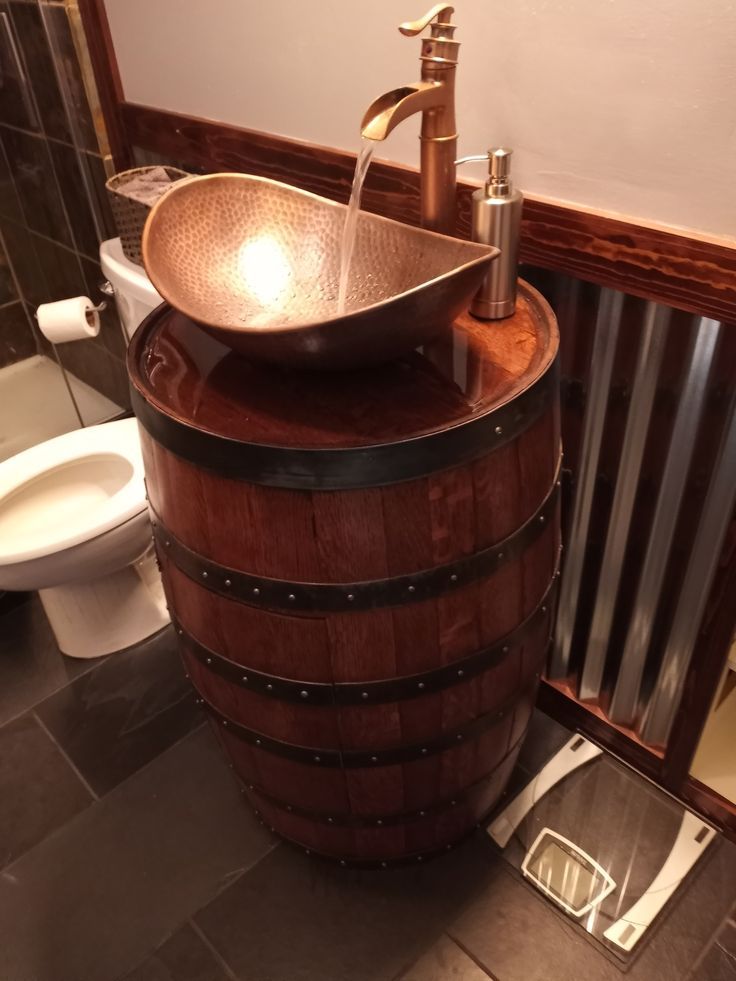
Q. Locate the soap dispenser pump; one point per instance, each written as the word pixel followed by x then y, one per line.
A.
pixel 496 220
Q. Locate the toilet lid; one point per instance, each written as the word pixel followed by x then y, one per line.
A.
pixel 70 489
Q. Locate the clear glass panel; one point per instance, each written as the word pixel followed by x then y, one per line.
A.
pixel 51 221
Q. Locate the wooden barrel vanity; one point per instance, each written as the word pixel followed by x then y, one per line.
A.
pixel 361 569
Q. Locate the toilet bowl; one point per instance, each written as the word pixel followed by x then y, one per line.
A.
pixel 74 523
pixel 74 526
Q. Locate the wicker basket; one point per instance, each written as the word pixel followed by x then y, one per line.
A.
pixel 130 216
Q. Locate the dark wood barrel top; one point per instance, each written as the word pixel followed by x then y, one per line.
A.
pixel 467 372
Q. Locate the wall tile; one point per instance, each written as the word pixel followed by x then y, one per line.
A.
pixel 75 197
pixel 19 245
pixel 93 365
pixel 16 337
pixel 7 286
pixel 31 33
pixel 67 63
pixel 101 201
pixel 16 100
pixel 35 181
pixel 9 200
pixel 53 203
pixel 60 269
pixel 62 274
pixel 111 333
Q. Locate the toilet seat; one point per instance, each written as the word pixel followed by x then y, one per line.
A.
pixel 84 483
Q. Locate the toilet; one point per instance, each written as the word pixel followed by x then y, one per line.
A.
pixel 73 516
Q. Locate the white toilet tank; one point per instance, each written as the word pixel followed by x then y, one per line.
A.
pixel 135 295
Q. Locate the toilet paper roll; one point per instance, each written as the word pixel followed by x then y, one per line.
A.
pixel 68 320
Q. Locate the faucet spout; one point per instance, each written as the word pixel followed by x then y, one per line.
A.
pixel 434 99
pixel 386 112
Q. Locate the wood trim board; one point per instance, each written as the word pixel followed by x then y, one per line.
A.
pixel 107 76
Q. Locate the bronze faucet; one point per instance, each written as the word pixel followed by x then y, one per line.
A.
pixel 434 97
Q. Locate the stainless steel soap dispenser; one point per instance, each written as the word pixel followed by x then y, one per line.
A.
pixel 496 220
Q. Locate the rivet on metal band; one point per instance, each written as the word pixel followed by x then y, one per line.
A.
pixel 395 862
pixel 372 594
pixel 359 759
pixel 395 818
pixel 373 692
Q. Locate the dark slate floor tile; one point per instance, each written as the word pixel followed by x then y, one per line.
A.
pixel 727 935
pixel 116 719
pixel 31 665
pixel 92 901
pixel 444 961
pixel 39 791
pixel 518 936
pixel 184 957
pixel 293 918
pixel 544 738
pixel 717 965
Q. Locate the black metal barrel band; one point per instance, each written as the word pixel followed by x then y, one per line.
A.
pixel 383 864
pixel 341 820
pixel 392 862
pixel 308 597
pixel 365 759
pixel 348 468
pixel 370 692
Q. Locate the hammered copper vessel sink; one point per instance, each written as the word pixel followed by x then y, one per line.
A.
pixel 257 264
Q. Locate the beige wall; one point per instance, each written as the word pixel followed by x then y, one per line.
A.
pixel 625 106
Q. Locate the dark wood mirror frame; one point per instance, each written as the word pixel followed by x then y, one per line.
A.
pixel 694 274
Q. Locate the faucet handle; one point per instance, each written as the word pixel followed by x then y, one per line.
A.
pixel 413 27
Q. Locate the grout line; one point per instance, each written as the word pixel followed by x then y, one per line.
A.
pixel 39 134
pixel 711 942
pixel 53 241
pixel 13 274
pixel 72 119
pixel 471 956
pixel 72 764
pixel 61 829
pixel 55 691
pixel 212 949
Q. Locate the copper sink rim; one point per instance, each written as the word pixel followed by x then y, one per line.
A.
pixel 486 252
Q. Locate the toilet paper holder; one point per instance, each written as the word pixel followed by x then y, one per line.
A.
pixel 96 308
